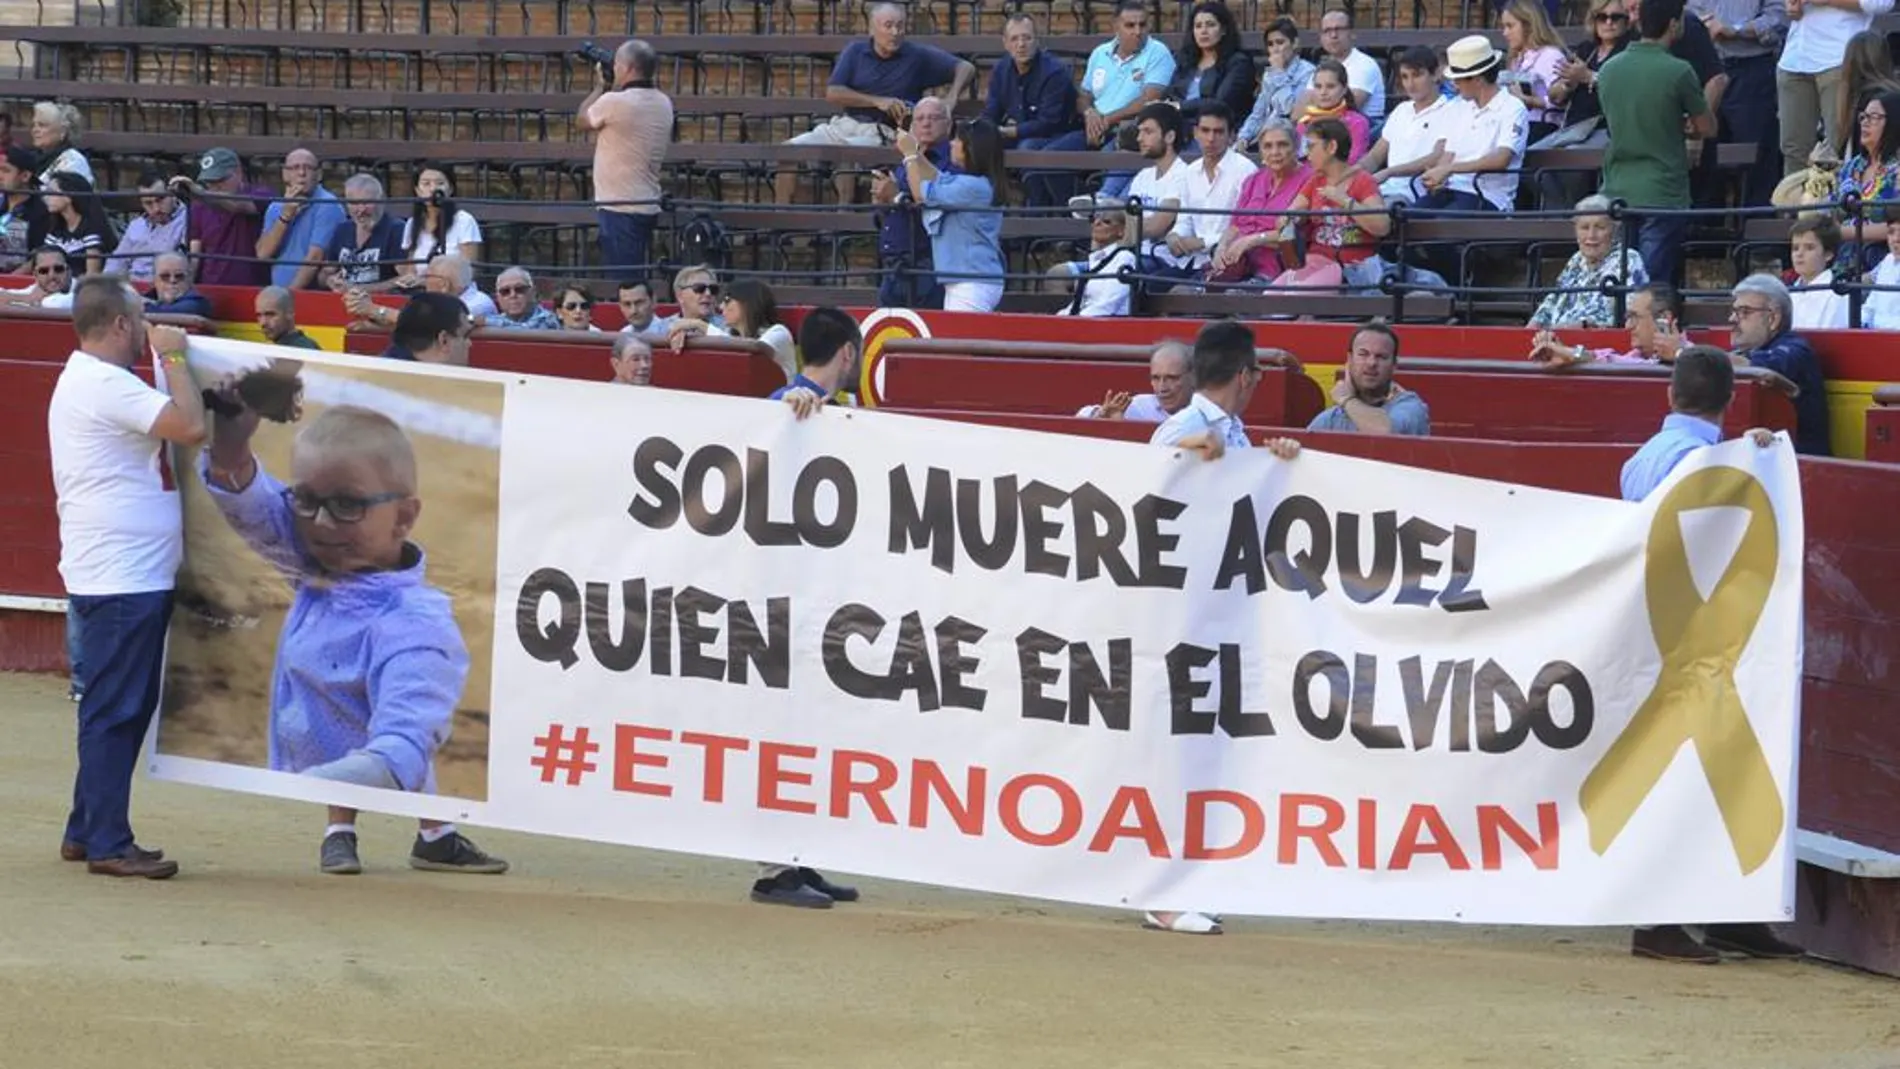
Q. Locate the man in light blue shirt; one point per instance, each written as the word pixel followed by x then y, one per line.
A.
pixel 1123 76
pixel 1701 384
pixel 304 217
pixel 1366 400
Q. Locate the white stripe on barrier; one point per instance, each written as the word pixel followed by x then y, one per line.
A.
pixel 29 603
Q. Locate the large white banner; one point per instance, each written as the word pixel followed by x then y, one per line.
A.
pixel 1115 674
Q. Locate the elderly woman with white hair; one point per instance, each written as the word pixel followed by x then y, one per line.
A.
pixel 1600 258
pixel 55 129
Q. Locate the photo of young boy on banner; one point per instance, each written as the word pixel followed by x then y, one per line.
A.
pixel 330 629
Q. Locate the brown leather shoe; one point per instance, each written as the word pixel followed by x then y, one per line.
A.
pixel 1671 942
pixel 71 851
pixel 1755 940
pixel 134 865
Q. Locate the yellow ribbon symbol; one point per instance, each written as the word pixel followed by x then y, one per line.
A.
pixel 1695 699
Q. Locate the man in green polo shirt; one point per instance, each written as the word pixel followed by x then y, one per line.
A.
pixel 1653 102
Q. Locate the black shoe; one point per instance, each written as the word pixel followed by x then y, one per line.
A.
pixel 453 853
pixel 788 889
pixel 1672 942
pixel 1755 940
pixel 835 892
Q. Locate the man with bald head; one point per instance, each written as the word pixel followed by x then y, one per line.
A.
pixel 903 247
pixel 295 224
pixel 1170 375
pixel 877 82
pixel 632 121
pixel 277 319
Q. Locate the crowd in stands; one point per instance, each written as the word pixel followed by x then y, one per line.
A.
pixel 1264 169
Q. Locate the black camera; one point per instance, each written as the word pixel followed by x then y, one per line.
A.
pixel 599 57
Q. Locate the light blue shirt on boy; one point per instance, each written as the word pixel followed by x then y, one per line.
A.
pixel 1680 436
pixel 313 226
pixel 371 661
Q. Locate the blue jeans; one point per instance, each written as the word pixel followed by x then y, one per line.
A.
pixel 1659 238
pixel 121 641
pixel 1114 184
pixel 74 658
pixel 914 288
pixel 625 241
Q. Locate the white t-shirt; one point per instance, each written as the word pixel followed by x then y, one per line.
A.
pixel 1151 189
pixel 1363 74
pixel 1817 41
pixel 784 349
pixel 1221 193
pixel 1820 308
pixel 1107 295
pixel 1477 132
pixel 463 230
pixel 1881 310
pixel 121 528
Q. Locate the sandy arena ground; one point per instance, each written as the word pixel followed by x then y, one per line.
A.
pixel 595 956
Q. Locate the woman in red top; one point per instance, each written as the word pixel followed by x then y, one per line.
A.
pixel 1336 242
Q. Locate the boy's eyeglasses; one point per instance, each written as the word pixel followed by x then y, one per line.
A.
pixel 343 508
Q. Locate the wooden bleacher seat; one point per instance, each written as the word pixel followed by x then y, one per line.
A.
pixel 1292 304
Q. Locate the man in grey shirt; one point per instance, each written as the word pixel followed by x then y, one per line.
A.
pixel 1366 400
pixel 1747 35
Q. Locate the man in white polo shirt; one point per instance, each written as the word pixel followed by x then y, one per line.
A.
pixel 121 537
pixel 1213 187
pixel 1479 167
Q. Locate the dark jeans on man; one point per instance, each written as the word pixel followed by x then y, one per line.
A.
pixel 909 285
pixel 625 240
pixel 1444 260
pixel 1114 183
pixel 74 658
pixel 1047 189
pixel 1659 238
pixel 121 659
pixel 1747 116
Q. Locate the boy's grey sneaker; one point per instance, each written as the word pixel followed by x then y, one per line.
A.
pixel 339 854
pixel 454 853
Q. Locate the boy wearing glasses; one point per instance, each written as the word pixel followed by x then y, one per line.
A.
pixel 370 664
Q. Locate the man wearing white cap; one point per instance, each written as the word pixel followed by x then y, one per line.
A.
pixel 1478 169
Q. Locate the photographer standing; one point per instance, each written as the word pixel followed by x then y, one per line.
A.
pixel 633 124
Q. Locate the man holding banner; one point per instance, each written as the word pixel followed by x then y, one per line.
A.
pixel 121 537
pixel 829 342
pixel 1226 371
pixel 1701 385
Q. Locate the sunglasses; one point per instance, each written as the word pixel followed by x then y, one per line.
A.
pixel 574 306
pixel 343 508
pixel 510 291
pixel 172 276
pixel 703 287
pixel 1605 16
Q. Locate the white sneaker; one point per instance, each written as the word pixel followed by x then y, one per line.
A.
pixel 1182 923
